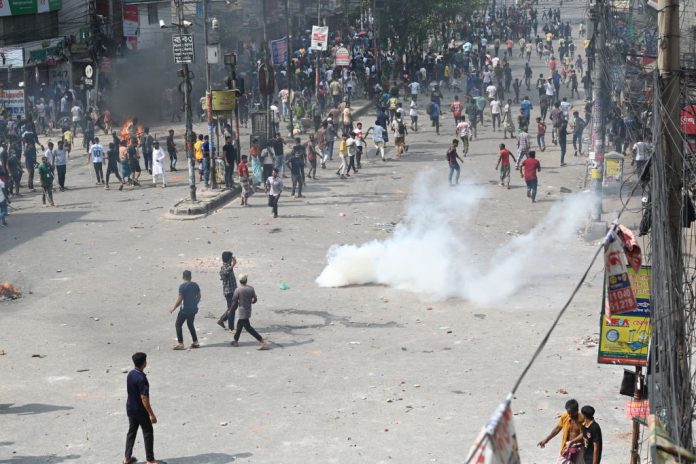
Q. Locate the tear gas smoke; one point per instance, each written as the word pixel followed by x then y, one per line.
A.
pixel 430 252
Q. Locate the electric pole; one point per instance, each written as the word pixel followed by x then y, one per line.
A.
pixel 599 100
pixel 289 65
pixel 186 84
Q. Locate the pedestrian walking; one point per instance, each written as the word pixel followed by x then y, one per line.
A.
pixel 112 165
pixel 578 128
pixel 377 138
pixel 146 145
pixel 435 115
pixel 96 153
pixel 591 436
pixel 46 177
pixel 139 411
pixel 187 302
pixel 343 156
pixel 504 164
pixel 312 157
pixel 452 160
pixel 229 156
pixel 157 165
pixel 570 426
pixel 245 296
pixel 296 166
pixel 229 284
pixel 171 150
pixel 3 203
pixel 541 132
pixel 60 161
pixel 245 180
pixel 563 139
pixel 528 171
pixel 463 131
pixel 274 185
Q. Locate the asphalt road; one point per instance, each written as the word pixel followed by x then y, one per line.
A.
pixel 357 374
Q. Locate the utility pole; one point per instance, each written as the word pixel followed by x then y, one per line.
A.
pixel 209 97
pixel 318 52
pixel 267 100
pixel 669 92
pixel 187 108
pixel 599 100
pixel 289 65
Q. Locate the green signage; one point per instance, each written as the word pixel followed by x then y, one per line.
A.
pixel 26 7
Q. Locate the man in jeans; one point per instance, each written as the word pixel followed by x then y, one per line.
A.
pixel 140 413
pixel 296 166
pixel 528 171
pixel 189 296
pixel 229 285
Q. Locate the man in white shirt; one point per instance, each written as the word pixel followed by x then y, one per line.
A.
pixel 495 112
pixel 96 153
pixel 415 90
pixel 377 139
pixel 565 108
pixel 491 90
pixel 464 133
pixel 640 155
pixel 76 112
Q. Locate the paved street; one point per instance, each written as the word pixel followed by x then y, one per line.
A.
pixel 357 374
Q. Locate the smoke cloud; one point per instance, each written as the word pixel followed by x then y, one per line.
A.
pixel 433 252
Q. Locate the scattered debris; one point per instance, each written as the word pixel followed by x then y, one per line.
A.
pixel 224 424
pixel 40 356
pixel 83 370
pixel 566 190
pixel 284 286
pixel 562 391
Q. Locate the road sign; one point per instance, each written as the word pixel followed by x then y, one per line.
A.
pixel 342 57
pixel 183 48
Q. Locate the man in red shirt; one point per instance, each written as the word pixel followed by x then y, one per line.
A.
pixel 456 107
pixel 528 171
pixel 504 163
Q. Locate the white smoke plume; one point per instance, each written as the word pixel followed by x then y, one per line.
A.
pixel 430 254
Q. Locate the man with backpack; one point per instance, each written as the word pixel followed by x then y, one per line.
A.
pixel 434 111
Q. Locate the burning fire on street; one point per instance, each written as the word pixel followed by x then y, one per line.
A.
pixel 9 291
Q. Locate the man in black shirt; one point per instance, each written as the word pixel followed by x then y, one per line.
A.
pixel 140 413
pixel 230 158
pixel 171 149
pixel 592 436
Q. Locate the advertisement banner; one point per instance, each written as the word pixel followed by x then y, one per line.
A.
pixel 620 297
pixel 279 51
pixel 28 7
pixel 12 101
pixel 497 441
pixel 320 38
pixel 224 100
pixel 624 338
pixel 131 25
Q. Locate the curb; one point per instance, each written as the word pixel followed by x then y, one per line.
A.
pixel 184 209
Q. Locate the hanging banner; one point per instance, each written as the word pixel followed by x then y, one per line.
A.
pixel 279 51
pixel 620 298
pixel 320 38
pixel 624 338
pixel 342 57
pixel 497 441
pixel 12 101
pixel 224 100
pixel 131 25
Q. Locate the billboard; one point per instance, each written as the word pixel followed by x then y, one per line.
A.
pixel 28 7
pixel 624 338
pixel 12 100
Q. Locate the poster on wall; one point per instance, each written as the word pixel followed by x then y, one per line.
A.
pixel 11 58
pixel 12 101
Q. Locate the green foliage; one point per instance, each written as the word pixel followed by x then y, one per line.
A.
pixel 409 23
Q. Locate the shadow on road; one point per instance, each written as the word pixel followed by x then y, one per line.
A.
pixel 47 458
pixel 208 458
pixel 31 408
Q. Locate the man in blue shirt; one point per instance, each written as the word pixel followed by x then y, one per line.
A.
pixel 526 109
pixel 139 411
pixel 189 296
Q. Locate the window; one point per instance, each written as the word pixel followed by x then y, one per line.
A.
pixel 152 13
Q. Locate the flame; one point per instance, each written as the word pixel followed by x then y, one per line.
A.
pixel 124 130
pixel 9 291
